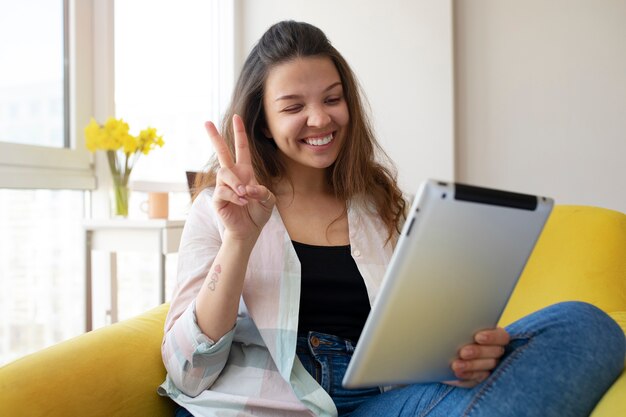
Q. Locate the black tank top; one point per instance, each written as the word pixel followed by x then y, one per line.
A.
pixel 333 297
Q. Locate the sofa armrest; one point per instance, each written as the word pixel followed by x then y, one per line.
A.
pixel 581 255
pixel 113 371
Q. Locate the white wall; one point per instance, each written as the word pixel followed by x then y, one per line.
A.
pixel 401 51
pixel 541 97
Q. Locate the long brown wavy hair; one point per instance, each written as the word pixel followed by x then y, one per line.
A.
pixel 362 168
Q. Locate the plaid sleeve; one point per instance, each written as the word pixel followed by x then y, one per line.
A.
pixel 193 361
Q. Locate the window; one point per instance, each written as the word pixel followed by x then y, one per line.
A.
pixel 173 79
pixel 44 169
pixel 41 279
pixel 33 79
pixel 46 93
pixel 46 181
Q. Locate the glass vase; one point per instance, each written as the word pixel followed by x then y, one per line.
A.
pixel 121 196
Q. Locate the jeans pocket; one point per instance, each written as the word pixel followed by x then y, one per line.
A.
pixel 338 364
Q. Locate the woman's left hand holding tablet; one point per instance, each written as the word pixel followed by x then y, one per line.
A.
pixel 477 360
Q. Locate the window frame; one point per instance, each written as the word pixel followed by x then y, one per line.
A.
pixel 40 167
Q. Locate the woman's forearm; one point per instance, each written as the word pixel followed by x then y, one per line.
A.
pixel 217 302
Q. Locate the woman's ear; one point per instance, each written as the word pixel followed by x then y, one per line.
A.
pixel 266 132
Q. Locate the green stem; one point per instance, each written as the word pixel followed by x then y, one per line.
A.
pixel 112 166
pixel 120 183
pixel 122 194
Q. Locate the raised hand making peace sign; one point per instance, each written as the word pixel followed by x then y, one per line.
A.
pixel 241 202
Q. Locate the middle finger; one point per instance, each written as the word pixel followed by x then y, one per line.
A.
pixel 242 151
pixel 459 366
pixel 480 351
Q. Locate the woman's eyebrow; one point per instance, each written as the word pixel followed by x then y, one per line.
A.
pixel 333 85
pixel 295 96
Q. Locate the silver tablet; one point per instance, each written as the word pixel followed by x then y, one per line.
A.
pixel 459 256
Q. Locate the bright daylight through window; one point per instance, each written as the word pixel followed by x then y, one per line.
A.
pixel 41 292
pixel 173 80
pixel 173 77
pixel 32 81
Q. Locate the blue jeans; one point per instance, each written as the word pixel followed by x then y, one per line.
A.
pixel 560 362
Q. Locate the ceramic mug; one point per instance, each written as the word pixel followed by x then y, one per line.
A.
pixel 156 206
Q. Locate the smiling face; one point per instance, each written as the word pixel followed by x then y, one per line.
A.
pixel 306 112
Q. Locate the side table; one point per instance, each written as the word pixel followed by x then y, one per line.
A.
pixel 117 235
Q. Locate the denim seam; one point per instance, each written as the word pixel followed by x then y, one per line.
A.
pixel 324 380
pixel 318 370
pixel 436 403
pixel 317 364
pixel 501 369
pixel 330 375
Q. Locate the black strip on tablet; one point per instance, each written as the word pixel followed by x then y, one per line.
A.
pixel 408 231
pixel 494 197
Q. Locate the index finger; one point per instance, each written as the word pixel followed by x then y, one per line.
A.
pixel 223 153
pixel 497 336
pixel 242 151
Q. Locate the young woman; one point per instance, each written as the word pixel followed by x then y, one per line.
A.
pixel 284 251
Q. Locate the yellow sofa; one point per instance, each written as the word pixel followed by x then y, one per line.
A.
pixel 115 371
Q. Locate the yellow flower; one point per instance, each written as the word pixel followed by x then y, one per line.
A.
pixel 148 140
pixel 130 144
pixel 92 133
pixel 122 148
pixel 114 135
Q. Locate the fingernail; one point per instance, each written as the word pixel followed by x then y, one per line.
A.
pixel 241 190
pixel 482 338
pixel 243 200
pixel 459 366
pixel 467 352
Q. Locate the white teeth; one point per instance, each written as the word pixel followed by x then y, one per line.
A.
pixel 319 141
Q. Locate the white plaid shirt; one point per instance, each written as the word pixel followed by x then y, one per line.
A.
pixel 253 369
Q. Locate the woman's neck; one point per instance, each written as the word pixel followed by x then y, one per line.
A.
pixel 309 181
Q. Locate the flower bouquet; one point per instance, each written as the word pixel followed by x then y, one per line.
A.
pixel 123 151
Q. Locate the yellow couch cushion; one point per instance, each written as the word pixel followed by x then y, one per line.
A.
pixel 113 371
pixel 581 255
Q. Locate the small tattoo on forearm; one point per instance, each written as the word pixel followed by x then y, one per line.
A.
pixel 215 276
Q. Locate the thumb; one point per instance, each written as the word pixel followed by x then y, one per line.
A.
pixel 261 194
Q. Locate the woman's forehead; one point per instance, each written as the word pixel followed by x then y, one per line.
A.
pixel 301 76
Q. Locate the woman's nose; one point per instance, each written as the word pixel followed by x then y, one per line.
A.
pixel 318 118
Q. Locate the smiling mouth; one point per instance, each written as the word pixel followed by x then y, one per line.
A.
pixel 320 141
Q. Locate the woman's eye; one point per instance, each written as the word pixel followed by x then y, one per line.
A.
pixel 333 100
pixel 293 109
